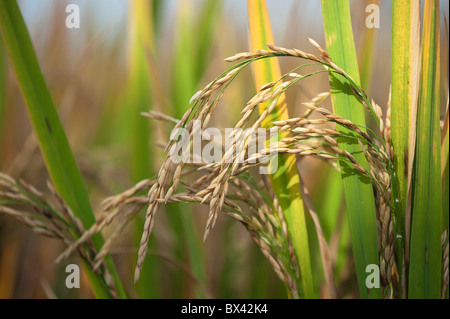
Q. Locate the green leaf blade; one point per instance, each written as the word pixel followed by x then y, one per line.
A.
pixel 358 190
pixel 426 252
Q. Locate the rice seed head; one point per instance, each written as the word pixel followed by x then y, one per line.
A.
pixel 195 97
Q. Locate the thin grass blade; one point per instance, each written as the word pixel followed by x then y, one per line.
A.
pixel 358 190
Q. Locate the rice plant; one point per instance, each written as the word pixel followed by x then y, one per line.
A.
pixel 387 161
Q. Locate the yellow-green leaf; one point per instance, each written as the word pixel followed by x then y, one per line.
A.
pixel 285 180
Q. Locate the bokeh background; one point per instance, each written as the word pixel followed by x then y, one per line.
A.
pixel 100 83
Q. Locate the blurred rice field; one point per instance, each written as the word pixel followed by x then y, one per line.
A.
pixel 101 77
